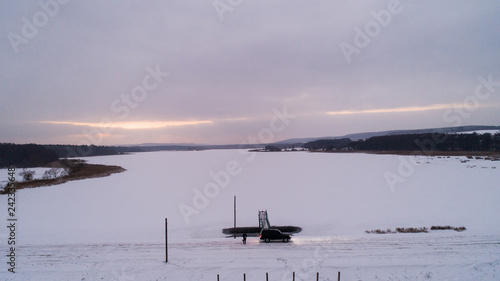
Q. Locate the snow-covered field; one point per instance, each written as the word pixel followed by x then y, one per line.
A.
pixel 481 132
pixel 113 228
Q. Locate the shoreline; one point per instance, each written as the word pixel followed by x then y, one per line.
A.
pixel 80 170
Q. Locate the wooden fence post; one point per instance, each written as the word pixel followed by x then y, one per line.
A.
pixel 267 277
pixel 244 277
pixel 317 276
pixel 339 276
pixel 294 276
pixel 166 240
pixel 234 229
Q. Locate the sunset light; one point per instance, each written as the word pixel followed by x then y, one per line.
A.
pixel 138 125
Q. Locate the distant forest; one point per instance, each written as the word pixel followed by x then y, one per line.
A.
pixel 25 155
pixel 35 155
pixel 413 142
pixel 334 144
pixel 65 151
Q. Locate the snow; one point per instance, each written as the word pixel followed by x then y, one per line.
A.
pixel 39 171
pixel 112 228
pixel 481 132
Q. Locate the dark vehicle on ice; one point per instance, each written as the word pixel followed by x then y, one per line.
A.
pixel 274 234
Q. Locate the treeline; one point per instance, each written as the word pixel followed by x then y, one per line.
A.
pixel 34 155
pixel 25 155
pixel 67 151
pixel 431 141
pixel 333 144
pixel 413 142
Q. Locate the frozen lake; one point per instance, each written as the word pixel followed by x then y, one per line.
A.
pixel 113 228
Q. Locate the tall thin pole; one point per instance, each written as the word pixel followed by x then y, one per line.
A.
pixel 234 229
pixel 166 240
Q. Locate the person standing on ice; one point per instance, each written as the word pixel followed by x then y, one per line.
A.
pixel 244 238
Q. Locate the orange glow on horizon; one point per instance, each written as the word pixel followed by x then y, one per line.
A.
pixel 135 125
pixel 401 109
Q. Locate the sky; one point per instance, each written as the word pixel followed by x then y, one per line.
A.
pixel 243 71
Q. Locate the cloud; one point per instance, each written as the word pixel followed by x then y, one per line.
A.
pixel 263 55
pixel 405 109
pixel 138 125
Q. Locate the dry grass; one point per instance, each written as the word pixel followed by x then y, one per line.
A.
pixel 412 230
pixel 379 231
pixel 458 229
pixel 415 229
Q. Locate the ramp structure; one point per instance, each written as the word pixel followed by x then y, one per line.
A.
pixel 263 224
pixel 263 220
